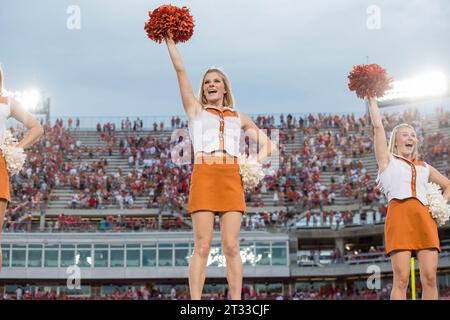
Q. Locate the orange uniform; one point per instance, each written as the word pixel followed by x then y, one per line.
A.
pixel 216 184
pixel 409 224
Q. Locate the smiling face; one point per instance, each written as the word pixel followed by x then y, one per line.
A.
pixel 405 142
pixel 214 88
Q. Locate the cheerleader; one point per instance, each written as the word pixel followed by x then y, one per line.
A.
pixel 11 108
pixel 410 229
pixel 216 186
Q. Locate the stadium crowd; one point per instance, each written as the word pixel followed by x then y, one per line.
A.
pixel 337 145
pixel 153 292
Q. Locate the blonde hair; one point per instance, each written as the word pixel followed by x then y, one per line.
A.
pixel 393 138
pixel 228 98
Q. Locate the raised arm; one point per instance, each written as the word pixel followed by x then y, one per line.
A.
pixel 190 103
pixel 35 130
pixel 380 142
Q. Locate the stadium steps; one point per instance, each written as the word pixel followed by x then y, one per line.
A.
pixel 62 195
pixel 92 138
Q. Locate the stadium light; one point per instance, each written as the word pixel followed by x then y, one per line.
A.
pixel 30 99
pixel 34 101
pixel 421 88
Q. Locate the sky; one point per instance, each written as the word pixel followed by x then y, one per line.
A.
pixel 282 56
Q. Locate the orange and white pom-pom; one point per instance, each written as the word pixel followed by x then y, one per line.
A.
pixel 15 156
pixel 251 172
pixel 438 206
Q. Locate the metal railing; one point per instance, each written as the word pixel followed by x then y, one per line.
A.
pixel 318 260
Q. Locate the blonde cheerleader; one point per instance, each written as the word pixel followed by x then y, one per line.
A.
pixel 216 185
pixel 410 229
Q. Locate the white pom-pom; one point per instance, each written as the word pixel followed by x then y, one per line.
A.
pixel 251 172
pixel 438 205
pixel 14 156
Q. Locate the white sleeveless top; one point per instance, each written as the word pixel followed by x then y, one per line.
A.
pixel 208 130
pixel 404 179
pixel 5 113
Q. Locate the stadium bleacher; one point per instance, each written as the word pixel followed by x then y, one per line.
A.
pixel 121 179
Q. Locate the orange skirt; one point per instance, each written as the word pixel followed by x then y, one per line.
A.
pixel 409 226
pixel 216 187
pixel 5 192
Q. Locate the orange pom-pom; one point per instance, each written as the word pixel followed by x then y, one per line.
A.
pixel 369 80
pixel 168 19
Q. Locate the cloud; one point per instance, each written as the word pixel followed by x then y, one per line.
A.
pixel 282 56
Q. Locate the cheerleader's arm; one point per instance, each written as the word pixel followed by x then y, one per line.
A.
pixel 379 135
pixel 35 130
pixel 266 146
pixel 441 180
pixel 190 103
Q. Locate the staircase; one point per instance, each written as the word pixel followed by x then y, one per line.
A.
pixel 61 196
